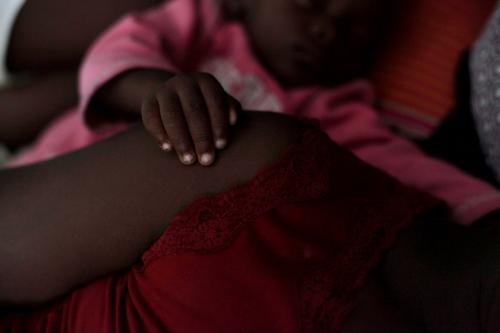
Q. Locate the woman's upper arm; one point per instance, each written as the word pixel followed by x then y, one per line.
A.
pixel 95 211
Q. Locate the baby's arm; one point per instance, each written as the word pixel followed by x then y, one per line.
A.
pixel 188 113
pixel 134 68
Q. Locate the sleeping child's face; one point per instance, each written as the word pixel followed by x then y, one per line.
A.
pixel 306 42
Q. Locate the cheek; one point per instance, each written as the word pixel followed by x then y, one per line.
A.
pixel 276 25
pixel 269 38
pixel 271 26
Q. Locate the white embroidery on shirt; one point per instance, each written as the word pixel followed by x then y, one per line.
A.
pixel 247 88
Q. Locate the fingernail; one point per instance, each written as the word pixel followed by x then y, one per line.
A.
pixel 166 146
pixel 221 143
pixel 233 117
pixel 206 159
pixel 188 158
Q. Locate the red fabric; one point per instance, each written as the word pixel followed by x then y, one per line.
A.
pixel 286 252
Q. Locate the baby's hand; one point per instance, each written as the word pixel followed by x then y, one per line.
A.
pixel 191 114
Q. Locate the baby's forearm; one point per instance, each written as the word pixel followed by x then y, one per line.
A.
pixel 124 95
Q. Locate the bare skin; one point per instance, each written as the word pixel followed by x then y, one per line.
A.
pixel 86 198
pixel 118 196
pixel 26 108
pixel 129 161
pixel 325 42
pixel 54 34
pixel 190 113
pixel 49 39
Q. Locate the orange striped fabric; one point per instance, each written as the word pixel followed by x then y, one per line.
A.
pixel 415 76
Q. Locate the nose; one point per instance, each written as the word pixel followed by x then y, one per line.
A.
pixel 322 32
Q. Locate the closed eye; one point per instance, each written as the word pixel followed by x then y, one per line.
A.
pixel 310 4
pixel 360 30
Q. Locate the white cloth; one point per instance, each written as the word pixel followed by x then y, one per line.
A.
pixel 4 155
pixel 9 9
pixel 485 79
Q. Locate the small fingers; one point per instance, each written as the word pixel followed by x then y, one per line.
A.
pixel 218 109
pixel 192 115
pixel 151 119
pixel 166 146
pixel 234 110
pixel 175 126
pixel 198 121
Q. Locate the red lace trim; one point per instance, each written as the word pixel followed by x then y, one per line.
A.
pixel 211 224
pixel 304 172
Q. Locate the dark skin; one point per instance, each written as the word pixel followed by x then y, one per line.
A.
pixel 49 39
pixel 42 43
pixel 191 113
pixel 374 309
pixel 29 106
pixel 326 42
pixel 429 281
pixel 120 196
pixel 105 172
pixel 135 159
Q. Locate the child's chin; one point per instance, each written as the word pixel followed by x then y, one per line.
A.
pixel 299 77
pixel 326 76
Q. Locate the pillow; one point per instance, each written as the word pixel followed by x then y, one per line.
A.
pixel 416 72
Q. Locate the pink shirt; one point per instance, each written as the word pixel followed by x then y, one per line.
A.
pixel 190 35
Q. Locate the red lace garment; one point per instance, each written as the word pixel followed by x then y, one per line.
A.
pixel 286 252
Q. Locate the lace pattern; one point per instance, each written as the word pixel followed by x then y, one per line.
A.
pixel 211 224
pixel 306 171
pixel 485 79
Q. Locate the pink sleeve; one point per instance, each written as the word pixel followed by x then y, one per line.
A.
pixel 161 38
pixel 358 127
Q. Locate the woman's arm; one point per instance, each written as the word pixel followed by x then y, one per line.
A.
pixel 54 34
pixel 26 108
pixel 49 38
pixel 70 220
